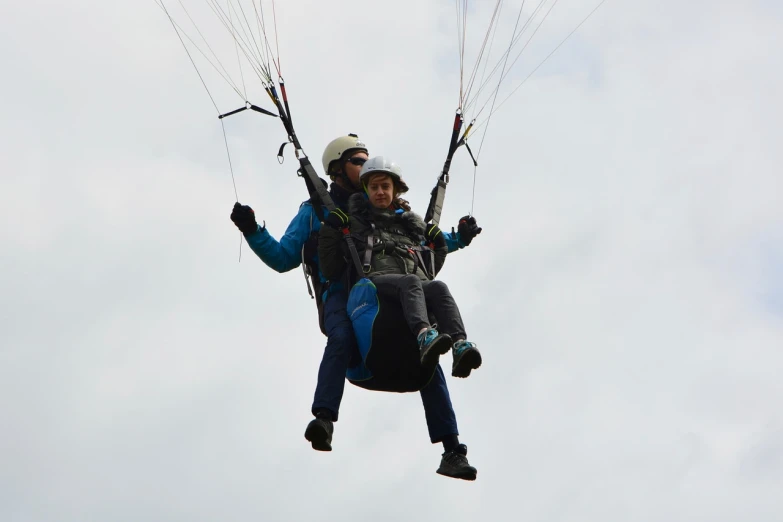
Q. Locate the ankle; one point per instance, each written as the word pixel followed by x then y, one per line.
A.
pixel 450 443
pixel 324 413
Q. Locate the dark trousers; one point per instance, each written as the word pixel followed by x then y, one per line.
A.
pixel 341 343
pixel 441 419
pixel 417 297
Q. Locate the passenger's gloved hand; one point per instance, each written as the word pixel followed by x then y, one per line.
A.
pixel 468 229
pixel 244 218
pixel 435 236
pixel 337 219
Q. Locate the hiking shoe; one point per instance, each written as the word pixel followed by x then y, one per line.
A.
pixel 466 358
pixel 432 345
pixel 455 464
pixel 319 433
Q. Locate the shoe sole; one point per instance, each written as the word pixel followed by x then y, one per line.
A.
pixel 438 347
pixel 318 437
pixel 471 475
pixel 470 360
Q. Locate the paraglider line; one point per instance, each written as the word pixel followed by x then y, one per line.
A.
pixel 483 48
pixel 236 49
pixel 486 128
pixel 230 166
pixel 491 44
pixel 262 26
pixel 225 137
pixel 222 73
pixel 277 44
pixel 189 56
pixel 222 125
pixel 516 37
pixel 540 64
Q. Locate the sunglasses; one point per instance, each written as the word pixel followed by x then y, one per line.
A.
pixel 357 161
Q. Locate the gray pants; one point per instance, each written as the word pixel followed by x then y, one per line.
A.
pixel 417 297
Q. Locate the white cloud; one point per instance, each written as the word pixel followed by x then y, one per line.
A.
pixel 623 290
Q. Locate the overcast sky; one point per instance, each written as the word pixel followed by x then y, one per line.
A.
pixel 626 292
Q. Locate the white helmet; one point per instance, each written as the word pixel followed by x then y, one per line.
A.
pixel 387 166
pixel 337 149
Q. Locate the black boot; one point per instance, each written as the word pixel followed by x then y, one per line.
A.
pixel 319 433
pixel 455 464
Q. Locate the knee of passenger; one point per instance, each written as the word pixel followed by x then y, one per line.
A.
pixel 439 286
pixel 411 279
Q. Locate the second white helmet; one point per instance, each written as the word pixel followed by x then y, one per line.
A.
pixel 386 166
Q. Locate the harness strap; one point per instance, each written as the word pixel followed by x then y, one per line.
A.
pixel 306 269
pixel 368 250
pixel 423 265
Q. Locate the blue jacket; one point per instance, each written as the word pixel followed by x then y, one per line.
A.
pixel 286 254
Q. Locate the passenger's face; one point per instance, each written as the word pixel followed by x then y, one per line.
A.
pixel 380 188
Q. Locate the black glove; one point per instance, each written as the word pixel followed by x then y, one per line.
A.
pixel 244 218
pixel 435 236
pixel 468 229
pixel 337 219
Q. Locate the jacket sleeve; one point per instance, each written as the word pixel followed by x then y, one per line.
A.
pixel 286 254
pixel 452 241
pixel 330 253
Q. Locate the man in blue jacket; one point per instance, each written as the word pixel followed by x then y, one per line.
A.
pixel 342 161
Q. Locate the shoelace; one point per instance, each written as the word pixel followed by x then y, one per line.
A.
pixel 461 346
pixel 453 458
pixel 428 337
